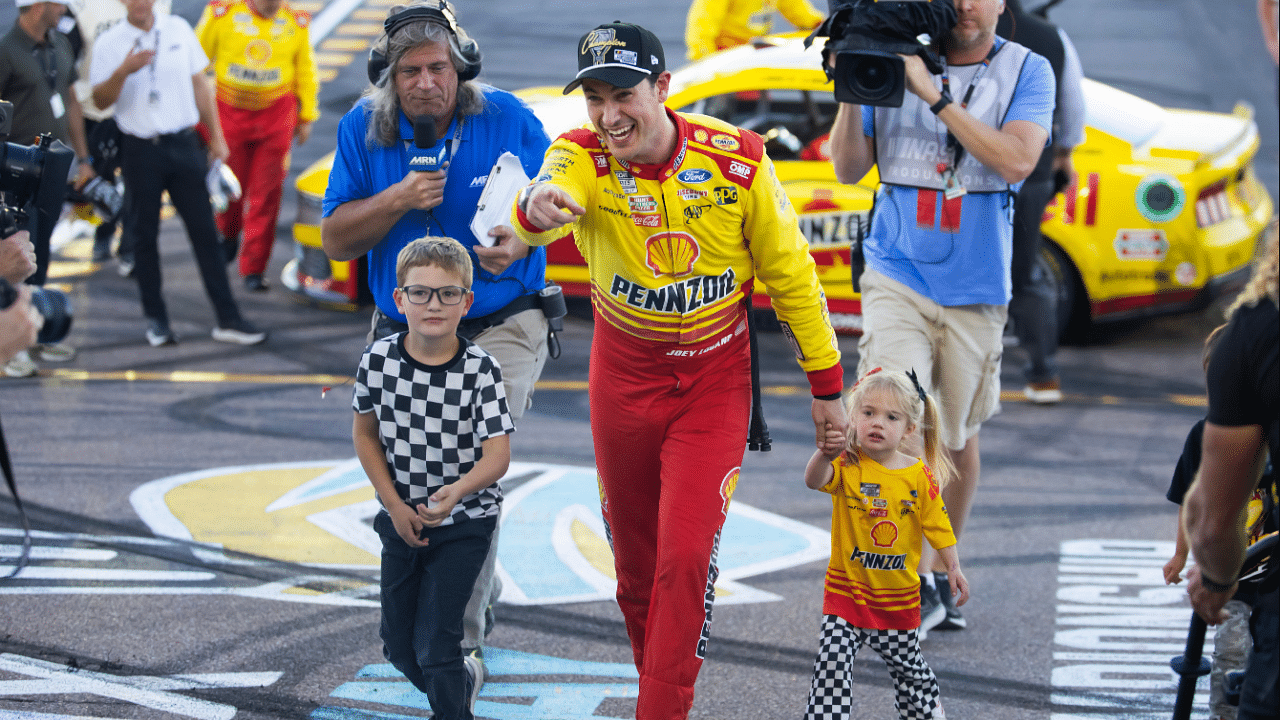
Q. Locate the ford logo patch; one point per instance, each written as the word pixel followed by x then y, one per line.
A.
pixel 694 176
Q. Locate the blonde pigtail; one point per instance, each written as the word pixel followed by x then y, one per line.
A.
pixel 935 455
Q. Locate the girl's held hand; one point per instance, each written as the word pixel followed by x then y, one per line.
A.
pixel 959 586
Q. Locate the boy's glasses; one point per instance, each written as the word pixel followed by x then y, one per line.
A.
pixel 421 294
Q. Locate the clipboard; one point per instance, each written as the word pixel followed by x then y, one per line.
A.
pixel 506 179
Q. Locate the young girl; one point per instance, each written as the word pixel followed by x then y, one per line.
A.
pixel 883 502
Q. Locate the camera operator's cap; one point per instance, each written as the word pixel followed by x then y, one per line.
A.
pixel 29 3
pixel 620 54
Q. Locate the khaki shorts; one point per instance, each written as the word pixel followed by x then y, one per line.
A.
pixel 954 350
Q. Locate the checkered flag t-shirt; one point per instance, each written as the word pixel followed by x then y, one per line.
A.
pixel 433 418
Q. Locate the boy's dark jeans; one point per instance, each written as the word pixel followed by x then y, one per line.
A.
pixel 424 594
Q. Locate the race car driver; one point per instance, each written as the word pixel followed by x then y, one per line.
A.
pixel 677 216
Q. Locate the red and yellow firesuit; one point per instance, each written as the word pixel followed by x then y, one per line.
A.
pixel 673 252
pixel 718 24
pixel 266 80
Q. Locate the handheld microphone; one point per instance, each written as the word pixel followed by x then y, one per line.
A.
pixel 427 154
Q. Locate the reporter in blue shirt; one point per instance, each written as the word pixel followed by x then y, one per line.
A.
pixel 425 64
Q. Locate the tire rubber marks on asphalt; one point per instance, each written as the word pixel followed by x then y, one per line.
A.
pixel 383 685
pixel 1118 625
pixel 158 692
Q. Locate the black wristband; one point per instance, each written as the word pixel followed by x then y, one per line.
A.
pixel 1213 586
pixel 832 396
pixel 944 101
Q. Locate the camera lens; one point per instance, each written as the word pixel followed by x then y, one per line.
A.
pixel 55 307
pixel 872 77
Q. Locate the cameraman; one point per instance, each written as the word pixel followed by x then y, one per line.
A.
pixel 19 322
pixel 936 285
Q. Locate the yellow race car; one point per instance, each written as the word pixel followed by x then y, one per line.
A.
pixel 1164 216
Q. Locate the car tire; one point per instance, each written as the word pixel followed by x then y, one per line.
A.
pixel 1073 309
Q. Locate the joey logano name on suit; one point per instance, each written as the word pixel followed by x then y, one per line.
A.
pixel 678 297
pixel 877 561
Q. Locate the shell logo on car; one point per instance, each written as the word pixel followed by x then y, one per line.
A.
pixel 1164 214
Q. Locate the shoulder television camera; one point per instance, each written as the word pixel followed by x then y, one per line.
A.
pixel 869 36
pixel 33 178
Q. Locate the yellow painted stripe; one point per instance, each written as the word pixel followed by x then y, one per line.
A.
pixel 327 74
pixel 339 59
pixel 196 376
pixel 344 44
pixel 199 376
pixel 360 28
pixel 369 14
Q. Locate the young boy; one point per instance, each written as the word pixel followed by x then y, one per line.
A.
pixel 431 427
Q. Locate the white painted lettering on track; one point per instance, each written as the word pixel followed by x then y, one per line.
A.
pixel 1117 626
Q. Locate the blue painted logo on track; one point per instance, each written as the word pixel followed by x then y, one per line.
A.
pixel 382 685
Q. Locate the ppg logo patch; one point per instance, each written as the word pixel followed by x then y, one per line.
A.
pixel 725 195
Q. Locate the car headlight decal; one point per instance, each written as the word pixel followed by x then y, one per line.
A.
pixel 1160 198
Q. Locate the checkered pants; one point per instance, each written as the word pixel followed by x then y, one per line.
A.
pixel 831 694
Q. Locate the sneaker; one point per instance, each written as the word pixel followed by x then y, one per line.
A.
pixel 124 265
pixel 241 332
pixel 1048 392
pixel 932 611
pixel 55 352
pixel 255 283
pixel 159 334
pixel 20 365
pixel 954 620
pixel 474 663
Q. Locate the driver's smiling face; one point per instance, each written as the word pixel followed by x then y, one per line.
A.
pixel 631 120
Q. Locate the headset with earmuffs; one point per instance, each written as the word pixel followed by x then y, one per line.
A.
pixel 440 14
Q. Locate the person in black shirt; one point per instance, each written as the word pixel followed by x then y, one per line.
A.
pixel 1244 421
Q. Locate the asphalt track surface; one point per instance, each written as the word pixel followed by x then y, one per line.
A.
pixel 254 613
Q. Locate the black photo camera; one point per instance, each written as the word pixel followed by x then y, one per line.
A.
pixel 868 37
pixel 33 178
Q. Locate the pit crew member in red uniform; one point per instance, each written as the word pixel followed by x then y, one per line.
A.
pixel 267 98
pixel 677 217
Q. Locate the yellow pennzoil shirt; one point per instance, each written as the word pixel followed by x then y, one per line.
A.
pixel 257 60
pixel 879 518
pixel 673 250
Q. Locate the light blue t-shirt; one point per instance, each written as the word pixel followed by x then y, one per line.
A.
pixel 970 264
pixel 360 171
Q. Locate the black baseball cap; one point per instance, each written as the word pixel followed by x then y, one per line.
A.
pixel 620 54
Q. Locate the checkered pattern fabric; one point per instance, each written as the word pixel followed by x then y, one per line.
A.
pixel 432 419
pixel 831 693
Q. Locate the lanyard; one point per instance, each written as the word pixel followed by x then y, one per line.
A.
pixel 953 145
pixel 154 95
pixel 452 144
pixel 48 62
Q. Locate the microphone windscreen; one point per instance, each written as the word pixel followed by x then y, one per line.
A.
pixel 424 132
